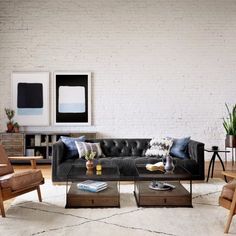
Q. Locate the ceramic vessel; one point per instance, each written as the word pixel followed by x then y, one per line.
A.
pixel 230 141
pixel 169 165
pixel 89 165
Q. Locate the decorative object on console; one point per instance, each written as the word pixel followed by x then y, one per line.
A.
pixel 159 147
pixel 16 127
pixel 214 147
pixel 10 124
pixel 72 98
pixel 179 148
pixel 84 147
pixel 30 97
pixel 71 149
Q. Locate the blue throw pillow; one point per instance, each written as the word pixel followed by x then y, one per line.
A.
pixel 180 148
pixel 71 149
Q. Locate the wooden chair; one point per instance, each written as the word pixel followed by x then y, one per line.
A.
pixel 227 198
pixel 14 184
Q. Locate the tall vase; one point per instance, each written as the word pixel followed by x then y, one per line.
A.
pixel 169 166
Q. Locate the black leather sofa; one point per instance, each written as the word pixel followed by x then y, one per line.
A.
pixel 125 153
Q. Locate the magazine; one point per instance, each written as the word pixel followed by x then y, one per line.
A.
pixel 92 186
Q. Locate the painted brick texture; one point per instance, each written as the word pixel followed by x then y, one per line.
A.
pixel 159 67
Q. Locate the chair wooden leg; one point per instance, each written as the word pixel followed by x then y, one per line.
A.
pixel 39 194
pixel 231 213
pixel 1 205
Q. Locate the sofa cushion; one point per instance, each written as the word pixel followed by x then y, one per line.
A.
pixel 159 147
pixel 179 148
pixel 20 180
pixel 71 150
pixel 84 147
pixel 123 147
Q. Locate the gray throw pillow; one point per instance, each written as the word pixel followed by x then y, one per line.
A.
pixel 84 147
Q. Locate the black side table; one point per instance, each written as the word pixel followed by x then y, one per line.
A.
pixel 212 162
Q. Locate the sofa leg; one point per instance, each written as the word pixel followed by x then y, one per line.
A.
pixel 39 194
pixel 1 205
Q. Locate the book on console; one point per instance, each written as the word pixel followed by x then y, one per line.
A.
pixel 92 185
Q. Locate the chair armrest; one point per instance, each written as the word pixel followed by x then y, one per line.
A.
pixel 196 152
pixel 230 174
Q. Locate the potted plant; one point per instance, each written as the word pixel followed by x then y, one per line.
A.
pixel 16 127
pixel 230 127
pixel 10 114
pixel 89 156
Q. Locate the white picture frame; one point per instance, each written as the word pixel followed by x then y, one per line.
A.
pixel 30 98
pixel 71 98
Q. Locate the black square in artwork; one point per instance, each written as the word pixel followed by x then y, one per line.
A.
pixel 30 95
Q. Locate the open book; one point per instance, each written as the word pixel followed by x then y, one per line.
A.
pixel 157 166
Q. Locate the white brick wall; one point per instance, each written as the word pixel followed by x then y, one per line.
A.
pixel 159 67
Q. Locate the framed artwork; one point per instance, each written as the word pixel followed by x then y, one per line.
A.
pixel 72 98
pixel 30 98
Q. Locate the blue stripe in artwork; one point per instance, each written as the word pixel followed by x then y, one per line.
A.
pixel 29 111
pixel 72 107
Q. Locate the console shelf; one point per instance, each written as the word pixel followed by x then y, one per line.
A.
pixel 35 143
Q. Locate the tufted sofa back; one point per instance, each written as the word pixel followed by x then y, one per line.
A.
pixel 123 147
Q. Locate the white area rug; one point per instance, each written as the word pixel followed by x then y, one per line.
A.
pixel 26 216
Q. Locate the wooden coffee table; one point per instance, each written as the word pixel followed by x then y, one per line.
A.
pixel 76 198
pixel 177 197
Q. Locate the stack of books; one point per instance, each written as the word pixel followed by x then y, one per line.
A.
pixel 92 186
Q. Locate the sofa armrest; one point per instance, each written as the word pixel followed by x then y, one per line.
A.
pixel 57 157
pixel 196 152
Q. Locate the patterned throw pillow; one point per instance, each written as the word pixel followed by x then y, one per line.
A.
pixel 71 149
pixel 159 147
pixel 84 147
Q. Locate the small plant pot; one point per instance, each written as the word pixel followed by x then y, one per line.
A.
pixel 89 165
pixel 230 141
pixel 10 127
